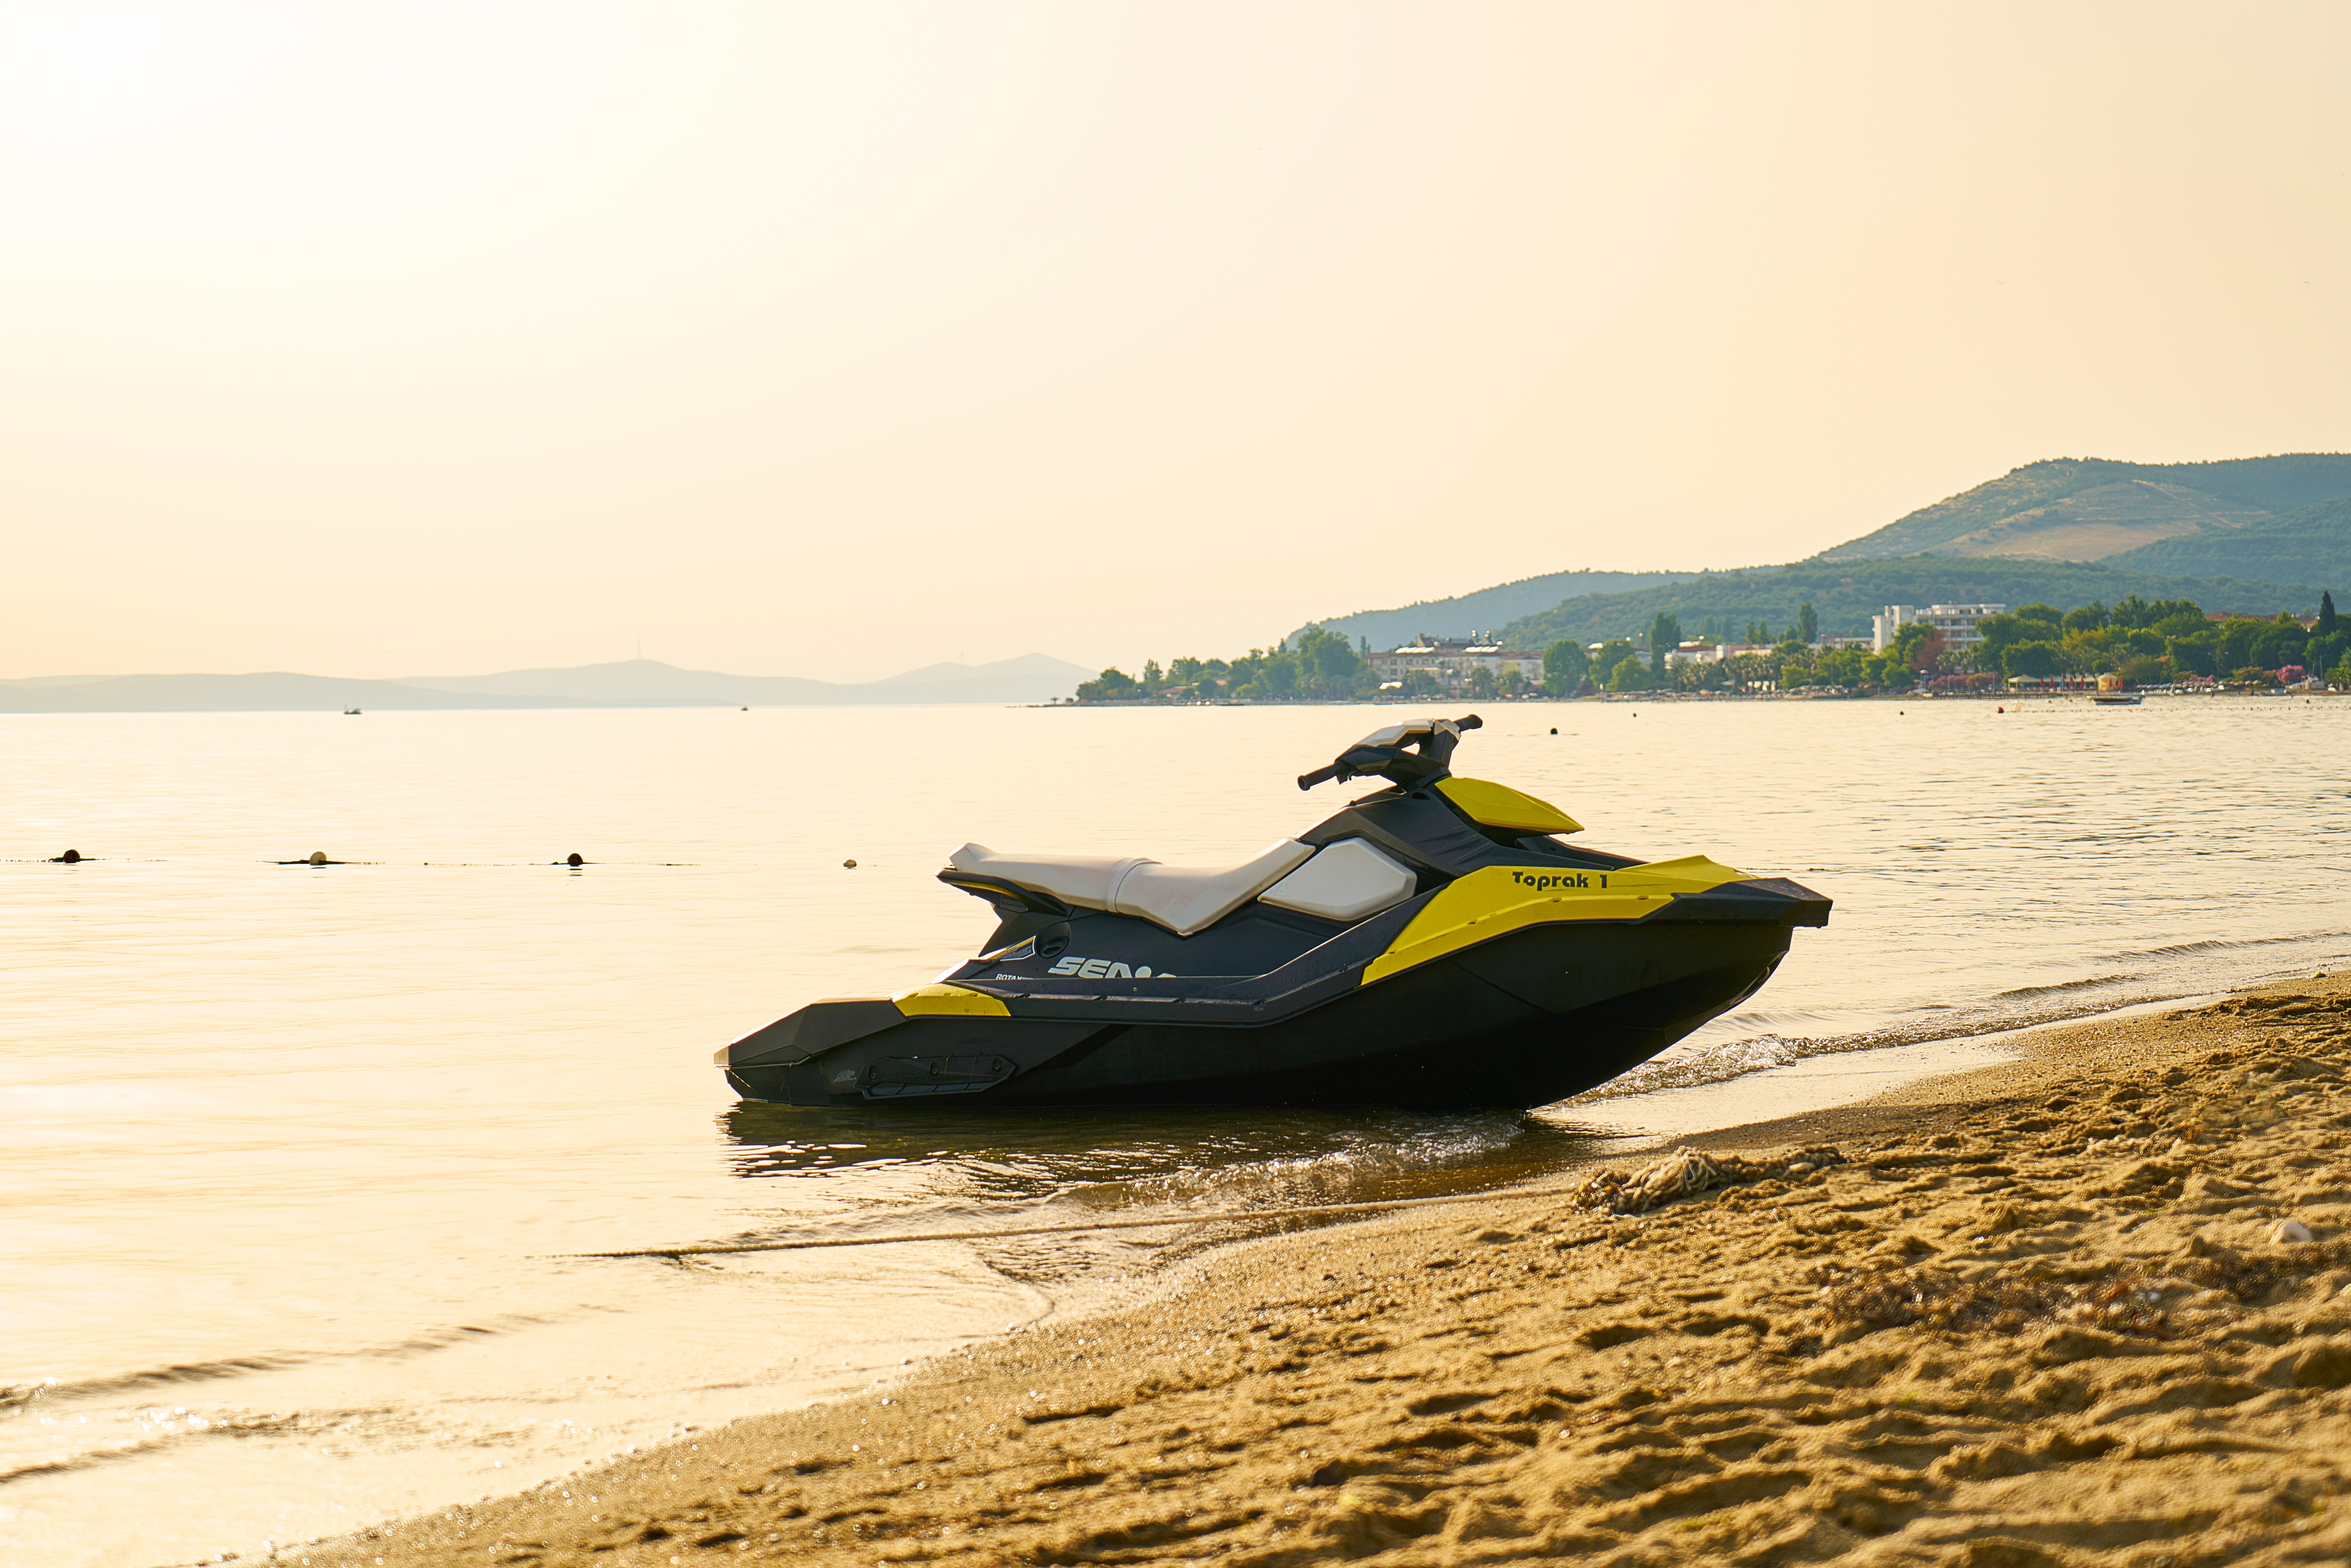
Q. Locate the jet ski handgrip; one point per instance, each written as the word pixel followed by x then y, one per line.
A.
pixel 1409 754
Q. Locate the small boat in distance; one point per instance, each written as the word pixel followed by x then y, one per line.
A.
pixel 349 711
pixel 2117 699
pixel 1436 942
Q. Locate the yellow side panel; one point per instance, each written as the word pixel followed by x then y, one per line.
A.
pixel 923 1002
pixel 1500 899
pixel 1500 806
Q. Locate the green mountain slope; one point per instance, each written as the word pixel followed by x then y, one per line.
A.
pixel 2310 544
pixel 1845 595
pixel 1488 607
pixel 2089 508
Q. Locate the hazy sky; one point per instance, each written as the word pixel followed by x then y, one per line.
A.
pixel 835 339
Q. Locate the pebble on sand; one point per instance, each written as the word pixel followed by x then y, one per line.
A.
pixel 2289 1233
pixel 71 857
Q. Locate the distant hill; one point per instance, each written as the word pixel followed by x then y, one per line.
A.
pixel 633 683
pixel 1487 608
pixel 2310 544
pixel 1845 595
pixel 275 691
pixel 1033 677
pixel 2094 509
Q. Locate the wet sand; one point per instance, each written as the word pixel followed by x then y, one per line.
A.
pixel 2041 1313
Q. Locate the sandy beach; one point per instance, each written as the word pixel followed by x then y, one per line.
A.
pixel 2080 1308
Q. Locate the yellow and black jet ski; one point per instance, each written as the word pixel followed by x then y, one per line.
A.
pixel 1435 944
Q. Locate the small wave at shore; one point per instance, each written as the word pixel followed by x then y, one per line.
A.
pixel 2017 1008
pixel 1712 1064
pixel 2225 944
pixel 2061 987
pixel 13 1395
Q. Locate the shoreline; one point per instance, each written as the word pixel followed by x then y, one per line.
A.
pixel 2069 694
pixel 2027 1313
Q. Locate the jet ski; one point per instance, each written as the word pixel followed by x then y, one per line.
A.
pixel 1437 942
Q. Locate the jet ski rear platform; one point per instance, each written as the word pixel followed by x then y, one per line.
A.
pixel 1435 943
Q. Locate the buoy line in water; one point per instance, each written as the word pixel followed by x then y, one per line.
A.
pixel 722 1247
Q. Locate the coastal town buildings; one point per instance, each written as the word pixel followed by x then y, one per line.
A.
pixel 1452 662
pixel 1703 653
pixel 1959 623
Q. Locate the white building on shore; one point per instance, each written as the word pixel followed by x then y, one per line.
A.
pixel 1712 652
pixel 1451 662
pixel 1959 623
pixel 1704 652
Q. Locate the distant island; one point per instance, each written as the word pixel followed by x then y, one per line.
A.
pixel 631 682
pixel 2078 540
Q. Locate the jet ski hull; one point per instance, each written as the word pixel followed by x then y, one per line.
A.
pixel 1434 945
pixel 1530 1018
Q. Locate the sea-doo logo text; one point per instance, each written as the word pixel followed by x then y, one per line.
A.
pixel 1100 969
pixel 1543 882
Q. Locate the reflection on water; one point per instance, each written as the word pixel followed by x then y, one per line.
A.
pixel 1113 1158
pixel 1139 1164
pixel 298 1161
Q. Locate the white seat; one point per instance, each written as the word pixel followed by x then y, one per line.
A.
pixel 1346 881
pixel 1183 899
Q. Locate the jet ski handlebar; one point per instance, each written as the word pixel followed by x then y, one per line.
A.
pixel 1407 754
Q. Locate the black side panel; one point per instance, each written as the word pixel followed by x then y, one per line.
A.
pixel 803 1084
pixel 962 1054
pixel 1758 898
pixel 819 1026
pixel 1525 1019
pixel 1642 993
pixel 1562 969
pixel 1310 1056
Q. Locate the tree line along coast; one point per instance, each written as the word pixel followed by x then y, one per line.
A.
pixel 2108 566
pixel 2134 643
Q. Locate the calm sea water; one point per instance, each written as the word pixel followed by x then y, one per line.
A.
pixel 290 1158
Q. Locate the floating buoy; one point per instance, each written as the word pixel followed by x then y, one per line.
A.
pixel 573 859
pixel 71 857
pixel 848 865
pixel 317 857
pixel 747 708
pixel 1554 729
pixel 1999 710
